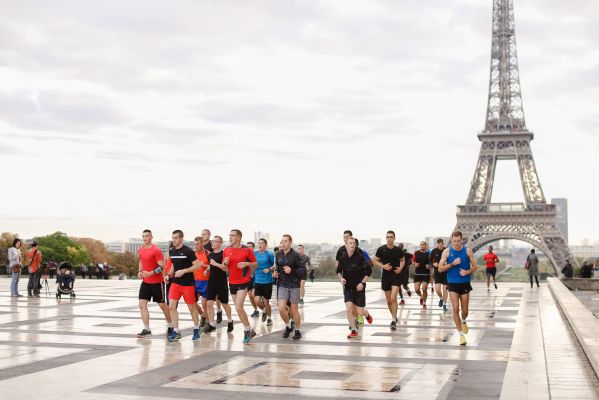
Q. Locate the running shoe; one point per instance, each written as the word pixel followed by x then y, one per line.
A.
pixel 402 302
pixel 440 302
pixel 264 316
pixel 301 301
pixel 393 325
pixel 196 334
pixel 462 340
pixel 494 284
pixel 488 290
pixel 297 335
pixel 255 314
pixel 409 293
pixel 174 336
pixel 421 301
pixel 169 330
pixel 352 334
pixel 202 322
pixel 288 330
pixel 209 328
pixel 424 306
pixel 369 319
pixel 444 308
pixel 248 335
pixel 230 327
pixel 361 320
pixel 464 328
pixel 144 333
pixel 219 317
pixel 269 322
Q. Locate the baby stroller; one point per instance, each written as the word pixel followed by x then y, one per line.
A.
pixel 65 278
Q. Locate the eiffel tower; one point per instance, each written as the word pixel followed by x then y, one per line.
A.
pixel 506 137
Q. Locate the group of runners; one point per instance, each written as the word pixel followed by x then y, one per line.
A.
pixel 205 276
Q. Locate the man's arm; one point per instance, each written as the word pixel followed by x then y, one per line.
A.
pixel 402 264
pixel 473 265
pixel 443 266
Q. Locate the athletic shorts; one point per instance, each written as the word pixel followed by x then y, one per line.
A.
pixel 358 298
pixel 152 291
pixel 440 277
pixel 202 288
pixel 422 278
pixel 459 288
pixel 390 279
pixel 218 289
pixel 235 287
pixel 263 290
pixel 290 295
pixel 251 284
pixel 491 271
pixel 188 293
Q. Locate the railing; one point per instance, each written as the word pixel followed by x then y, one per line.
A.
pixel 506 208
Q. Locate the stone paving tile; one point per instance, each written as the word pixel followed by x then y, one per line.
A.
pixel 91 341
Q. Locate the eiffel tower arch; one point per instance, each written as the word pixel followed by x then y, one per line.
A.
pixel 505 137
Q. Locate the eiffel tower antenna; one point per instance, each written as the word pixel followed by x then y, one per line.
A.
pixel 505 137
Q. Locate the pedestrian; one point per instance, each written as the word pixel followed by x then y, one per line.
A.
pixel 84 270
pixel 52 269
pixel 532 265
pixel 34 260
pixel 568 271
pixel 491 261
pixel 14 261
pixel 311 274
pixel 586 271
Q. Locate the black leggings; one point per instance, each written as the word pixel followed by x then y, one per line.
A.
pixel 536 279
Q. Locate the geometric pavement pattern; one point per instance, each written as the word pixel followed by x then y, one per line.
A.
pixel 519 346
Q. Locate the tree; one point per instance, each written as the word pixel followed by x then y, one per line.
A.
pixel 95 249
pixel 59 247
pixel 126 263
pixel 6 239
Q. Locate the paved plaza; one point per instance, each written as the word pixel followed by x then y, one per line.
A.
pixel 519 347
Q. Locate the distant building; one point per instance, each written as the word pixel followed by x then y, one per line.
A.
pixel 133 246
pixel 561 207
pixel 261 235
pixel 585 251
pixel 115 246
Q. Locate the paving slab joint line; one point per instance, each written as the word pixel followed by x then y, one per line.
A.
pixel 583 329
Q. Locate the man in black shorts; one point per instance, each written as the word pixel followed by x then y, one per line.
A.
pixel 255 313
pixel 353 272
pixel 151 267
pixel 404 276
pixel 218 288
pixel 439 277
pixel 422 275
pixel 390 258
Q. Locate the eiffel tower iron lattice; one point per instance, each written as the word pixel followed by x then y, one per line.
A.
pixel 506 137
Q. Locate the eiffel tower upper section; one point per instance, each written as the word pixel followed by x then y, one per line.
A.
pixel 505 136
pixel 504 108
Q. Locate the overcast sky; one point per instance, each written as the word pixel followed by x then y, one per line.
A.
pixel 306 117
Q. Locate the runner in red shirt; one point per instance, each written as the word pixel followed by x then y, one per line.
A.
pixel 200 277
pixel 240 260
pixel 491 260
pixel 151 271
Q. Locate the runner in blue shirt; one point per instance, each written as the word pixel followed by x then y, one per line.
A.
pixel 263 280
